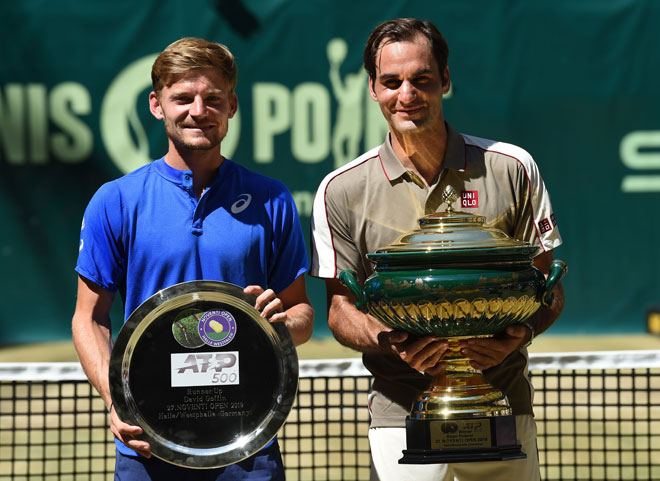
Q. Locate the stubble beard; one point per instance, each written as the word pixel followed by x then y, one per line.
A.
pixel 182 144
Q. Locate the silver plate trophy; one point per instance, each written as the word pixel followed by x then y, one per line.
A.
pixel 208 379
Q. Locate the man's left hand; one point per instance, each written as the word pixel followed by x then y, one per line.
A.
pixel 489 352
pixel 268 304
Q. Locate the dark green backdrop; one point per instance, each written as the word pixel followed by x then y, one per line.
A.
pixel 572 81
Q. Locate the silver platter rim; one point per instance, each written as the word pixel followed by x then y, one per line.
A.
pixel 178 296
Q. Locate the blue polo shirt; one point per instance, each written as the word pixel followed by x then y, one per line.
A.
pixel 147 231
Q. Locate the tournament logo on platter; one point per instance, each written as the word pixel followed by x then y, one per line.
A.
pixel 185 328
pixel 217 328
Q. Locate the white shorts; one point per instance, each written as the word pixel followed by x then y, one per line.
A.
pixel 388 443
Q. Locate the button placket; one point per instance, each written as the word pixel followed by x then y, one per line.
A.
pixel 187 185
pixel 198 216
pixel 433 199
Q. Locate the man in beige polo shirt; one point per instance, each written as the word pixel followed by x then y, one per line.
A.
pixel 371 201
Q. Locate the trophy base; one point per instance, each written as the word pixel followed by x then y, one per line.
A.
pixel 446 456
pixel 440 441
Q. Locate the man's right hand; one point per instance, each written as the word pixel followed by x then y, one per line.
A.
pixel 365 333
pixel 423 354
pixel 125 433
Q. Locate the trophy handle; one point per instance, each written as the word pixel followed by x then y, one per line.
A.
pixel 558 270
pixel 349 279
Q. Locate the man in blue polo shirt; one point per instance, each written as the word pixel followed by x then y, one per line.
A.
pixel 191 215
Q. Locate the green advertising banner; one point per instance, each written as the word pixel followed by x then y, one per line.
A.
pixel 574 82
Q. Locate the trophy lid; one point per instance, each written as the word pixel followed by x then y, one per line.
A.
pixel 453 235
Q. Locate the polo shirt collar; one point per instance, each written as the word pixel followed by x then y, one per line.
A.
pixel 454 155
pixel 391 164
pixel 183 177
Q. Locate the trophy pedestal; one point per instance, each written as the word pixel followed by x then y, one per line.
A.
pixel 440 441
pixel 460 418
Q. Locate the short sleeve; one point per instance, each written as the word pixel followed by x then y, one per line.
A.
pixel 288 259
pixel 333 248
pixel 100 252
pixel 536 221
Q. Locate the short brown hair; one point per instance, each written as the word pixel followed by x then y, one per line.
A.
pixel 192 53
pixel 404 30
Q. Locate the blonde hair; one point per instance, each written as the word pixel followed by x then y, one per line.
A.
pixel 192 53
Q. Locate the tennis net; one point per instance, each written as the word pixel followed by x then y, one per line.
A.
pixel 597 413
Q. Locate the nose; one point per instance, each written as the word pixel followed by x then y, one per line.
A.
pixel 198 107
pixel 407 92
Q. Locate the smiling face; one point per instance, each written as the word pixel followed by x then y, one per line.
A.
pixel 409 86
pixel 195 109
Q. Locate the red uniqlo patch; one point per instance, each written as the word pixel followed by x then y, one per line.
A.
pixel 469 198
pixel 545 226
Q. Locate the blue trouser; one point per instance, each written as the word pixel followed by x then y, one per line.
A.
pixel 266 465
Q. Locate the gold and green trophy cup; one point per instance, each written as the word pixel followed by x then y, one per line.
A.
pixel 455 278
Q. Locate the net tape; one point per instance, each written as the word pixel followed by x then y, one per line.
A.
pixel 352 367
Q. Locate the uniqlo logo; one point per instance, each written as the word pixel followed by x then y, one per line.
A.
pixel 469 199
pixel 545 226
pixel 553 220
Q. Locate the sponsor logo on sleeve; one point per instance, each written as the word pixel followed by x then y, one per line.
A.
pixel 545 226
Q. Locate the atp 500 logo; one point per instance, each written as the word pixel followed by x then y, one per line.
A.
pixel 205 369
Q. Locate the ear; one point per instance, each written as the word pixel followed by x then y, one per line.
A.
pixel 233 105
pixel 446 83
pixel 372 92
pixel 154 106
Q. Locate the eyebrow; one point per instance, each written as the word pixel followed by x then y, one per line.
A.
pixel 387 76
pixel 176 93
